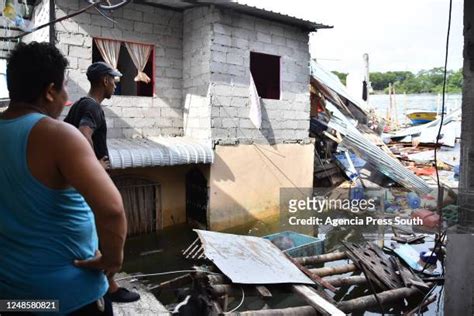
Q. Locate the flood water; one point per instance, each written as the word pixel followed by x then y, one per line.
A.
pixel 161 251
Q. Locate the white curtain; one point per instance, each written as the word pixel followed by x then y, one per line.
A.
pixel 109 50
pixel 139 54
pixel 255 113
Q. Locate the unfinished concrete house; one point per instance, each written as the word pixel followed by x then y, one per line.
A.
pixel 181 143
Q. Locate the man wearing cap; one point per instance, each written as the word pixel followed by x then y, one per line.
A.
pixel 88 116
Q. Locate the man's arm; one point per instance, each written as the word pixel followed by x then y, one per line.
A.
pixel 87 132
pixel 79 166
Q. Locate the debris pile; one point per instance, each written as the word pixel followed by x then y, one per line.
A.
pixel 253 276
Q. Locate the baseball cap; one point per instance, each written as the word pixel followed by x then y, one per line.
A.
pixel 100 68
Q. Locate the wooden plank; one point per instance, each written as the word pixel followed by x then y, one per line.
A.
pixel 316 301
pixel 344 281
pixel 327 271
pixel 333 256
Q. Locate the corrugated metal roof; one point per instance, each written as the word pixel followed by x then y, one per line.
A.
pixel 158 151
pixel 242 7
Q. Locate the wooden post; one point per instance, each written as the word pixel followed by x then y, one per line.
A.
pixel 343 281
pixel 333 256
pixel 326 271
pixel 368 301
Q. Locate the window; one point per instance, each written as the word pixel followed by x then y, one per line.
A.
pixel 266 74
pixel 127 85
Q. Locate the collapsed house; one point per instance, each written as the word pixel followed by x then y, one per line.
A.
pixel 342 122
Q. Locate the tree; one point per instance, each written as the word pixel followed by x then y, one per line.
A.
pixel 341 75
pixel 425 81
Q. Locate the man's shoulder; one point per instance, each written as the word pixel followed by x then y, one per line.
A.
pixel 86 102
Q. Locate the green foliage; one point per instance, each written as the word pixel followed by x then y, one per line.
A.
pixel 342 76
pixel 425 81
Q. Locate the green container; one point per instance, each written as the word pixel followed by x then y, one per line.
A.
pixel 297 245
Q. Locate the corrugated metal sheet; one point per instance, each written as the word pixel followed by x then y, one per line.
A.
pixel 249 260
pixel 158 151
pixel 389 166
pixel 332 81
pixel 244 8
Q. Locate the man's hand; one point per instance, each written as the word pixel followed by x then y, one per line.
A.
pixel 110 267
pixel 105 162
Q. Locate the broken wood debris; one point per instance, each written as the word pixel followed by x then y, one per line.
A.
pixel 391 282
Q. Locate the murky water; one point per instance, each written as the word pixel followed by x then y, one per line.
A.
pixel 161 252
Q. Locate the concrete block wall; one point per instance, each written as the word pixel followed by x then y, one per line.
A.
pixel 234 36
pixel 129 116
pixel 196 74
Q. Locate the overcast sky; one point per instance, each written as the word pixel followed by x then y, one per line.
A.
pixel 397 35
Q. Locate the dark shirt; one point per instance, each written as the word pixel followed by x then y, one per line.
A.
pixel 87 112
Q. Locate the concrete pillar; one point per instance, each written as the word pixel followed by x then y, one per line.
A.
pixel 460 255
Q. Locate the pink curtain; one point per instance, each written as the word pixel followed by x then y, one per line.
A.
pixel 109 50
pixel 139 54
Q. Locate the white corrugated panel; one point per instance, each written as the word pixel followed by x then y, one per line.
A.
pixel 158 151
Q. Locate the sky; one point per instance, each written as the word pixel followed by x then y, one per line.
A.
pixel 397 35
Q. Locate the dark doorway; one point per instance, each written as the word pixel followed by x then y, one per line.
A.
pixel 142 203
pixel 197 198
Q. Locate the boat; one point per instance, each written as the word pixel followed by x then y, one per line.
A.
pixel 421 117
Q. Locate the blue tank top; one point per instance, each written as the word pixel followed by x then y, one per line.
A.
pixel 42 231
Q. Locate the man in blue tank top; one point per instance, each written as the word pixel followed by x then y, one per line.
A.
pixel 56 200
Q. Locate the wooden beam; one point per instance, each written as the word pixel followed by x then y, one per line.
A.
pixel 385 297
pixel 333 256
pixel 316 301
pixel 326 271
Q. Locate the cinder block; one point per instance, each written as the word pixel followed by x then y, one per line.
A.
pixel 81 52
pixel 143 27
pixel 131 14
pixel 99 20
pixel 234 59
pixel 112 33
pixel 222 29
pixel 264 37
pixel 222 40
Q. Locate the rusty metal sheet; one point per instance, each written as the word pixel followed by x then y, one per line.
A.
pixel 249 260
